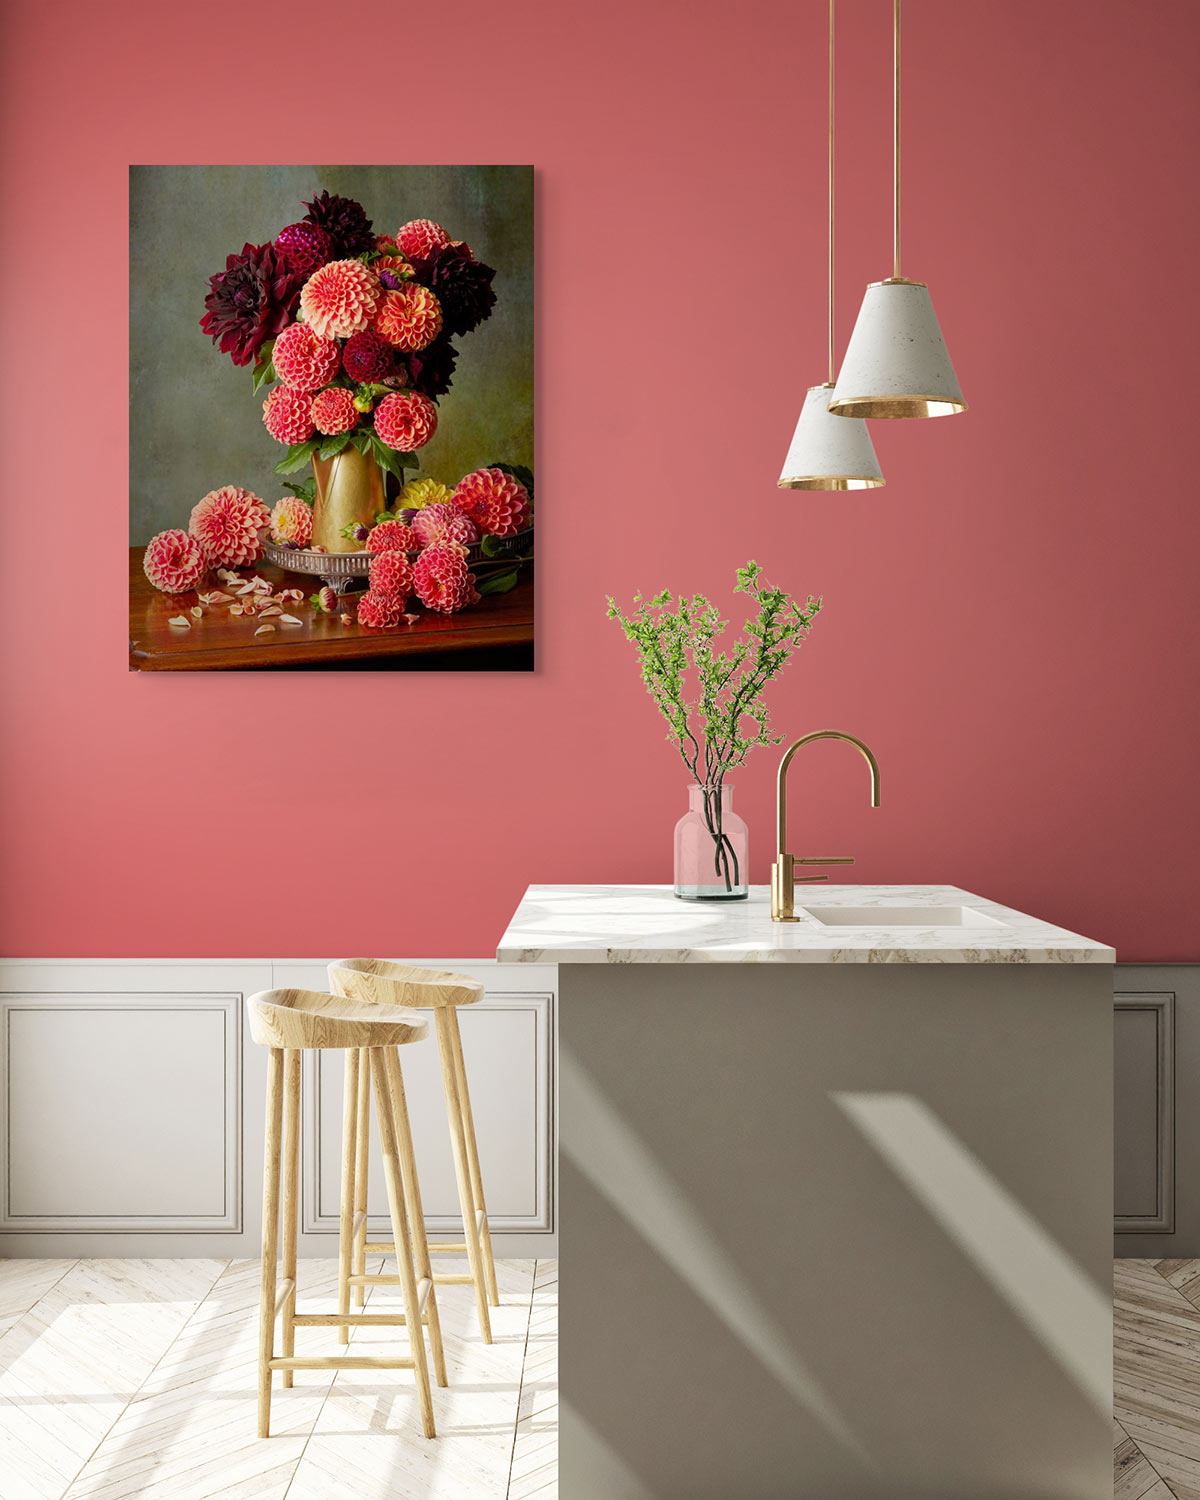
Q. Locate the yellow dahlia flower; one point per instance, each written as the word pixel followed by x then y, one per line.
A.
pixel 418 493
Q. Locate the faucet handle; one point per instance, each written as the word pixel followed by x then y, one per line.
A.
pixel 808 879
pixel 831 859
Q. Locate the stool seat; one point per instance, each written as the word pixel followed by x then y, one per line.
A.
pixel 377 980
pixel 303 1019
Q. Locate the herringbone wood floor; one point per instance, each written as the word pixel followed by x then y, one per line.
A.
pixel 1156 1375
pixel 136 1378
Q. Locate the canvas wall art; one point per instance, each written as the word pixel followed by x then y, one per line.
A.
pixel 331 418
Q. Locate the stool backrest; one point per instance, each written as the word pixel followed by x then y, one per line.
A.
pixel 383 983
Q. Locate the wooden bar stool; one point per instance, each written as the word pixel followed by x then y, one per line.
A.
pixel 289 1022
pixel 374 981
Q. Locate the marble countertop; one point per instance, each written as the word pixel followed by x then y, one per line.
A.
pixel 646 924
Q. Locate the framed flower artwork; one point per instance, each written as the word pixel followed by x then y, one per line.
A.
pixel 331 418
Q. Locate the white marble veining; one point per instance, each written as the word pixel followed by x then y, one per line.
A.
pixel 646 924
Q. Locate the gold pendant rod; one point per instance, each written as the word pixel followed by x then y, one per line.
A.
pixel 831 4
pixel 896 139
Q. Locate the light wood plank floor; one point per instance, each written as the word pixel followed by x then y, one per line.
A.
pixel 1156 1380
pixel 136 1378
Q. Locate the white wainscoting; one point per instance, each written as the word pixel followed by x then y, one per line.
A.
pixel 132 1118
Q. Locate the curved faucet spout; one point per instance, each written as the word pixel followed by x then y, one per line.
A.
pixel 781 780
pixel 783 877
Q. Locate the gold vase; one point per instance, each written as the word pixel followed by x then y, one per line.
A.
pixel 350 491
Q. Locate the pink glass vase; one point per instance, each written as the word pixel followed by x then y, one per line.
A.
pixel 711 848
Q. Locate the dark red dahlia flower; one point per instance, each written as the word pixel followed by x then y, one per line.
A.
pixel 462 284
pixel 254 298
pixel 367 357
pixel 344 221
pixel 433 367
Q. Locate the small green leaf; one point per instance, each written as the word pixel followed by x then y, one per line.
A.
pixel 297 456
pixel 493 546
pixel 264 370
pixel 363 439
pixel 332 446
pixel 500 583
pixel 306 491
pixel 387 458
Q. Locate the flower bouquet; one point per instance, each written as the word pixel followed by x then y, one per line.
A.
pixel 349 334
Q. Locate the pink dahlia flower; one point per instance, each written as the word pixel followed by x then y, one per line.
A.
pixel 340 298
pixel 303 359
pixel 406 422
pixel 174 562
pixel 494 500
pixel 443 523
pixel 409 318
pixel 380 611
pixel 287 415
pixel 391 573
pixel 392 536
pixel 419 236
pixel 334 411
pixel 227 523
pixel 441 579
pixel 291 521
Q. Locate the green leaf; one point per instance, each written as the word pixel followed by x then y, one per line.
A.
pixel 332 446
pixel 387 458
pixel 264 370
pixel 373 391
pixel 306 491
pixel 499 583
pixel 493 546
pixel 363 439
pixel 297 456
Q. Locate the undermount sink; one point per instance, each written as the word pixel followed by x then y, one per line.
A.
pixel 900 916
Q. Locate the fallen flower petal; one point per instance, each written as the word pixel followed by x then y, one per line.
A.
pixel 181 620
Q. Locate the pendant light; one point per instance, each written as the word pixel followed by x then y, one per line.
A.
pixel 829 453
pixel 896 362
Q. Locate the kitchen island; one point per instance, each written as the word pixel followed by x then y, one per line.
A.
pixel 835 1196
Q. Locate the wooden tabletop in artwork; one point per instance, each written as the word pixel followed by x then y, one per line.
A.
pixel 501 624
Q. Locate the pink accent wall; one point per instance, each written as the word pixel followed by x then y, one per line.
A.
pixel 1011 623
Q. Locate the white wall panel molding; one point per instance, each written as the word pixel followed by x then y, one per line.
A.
pixel 1144 1024
pixel 131 1116
pixel 121 1112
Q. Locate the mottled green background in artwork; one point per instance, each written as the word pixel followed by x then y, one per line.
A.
pixel 194 424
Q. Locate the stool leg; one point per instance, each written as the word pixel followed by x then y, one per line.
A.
pixel 346 1229
pixel 361 1149
pixel 400 1232
pixel 485 1233
pixel 270 1238
pixel 416 1214
pixel 291 1196
pixel 462 1170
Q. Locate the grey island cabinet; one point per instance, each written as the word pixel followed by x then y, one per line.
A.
pixel 835 1200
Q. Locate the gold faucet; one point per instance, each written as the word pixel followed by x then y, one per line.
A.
pixel 783 876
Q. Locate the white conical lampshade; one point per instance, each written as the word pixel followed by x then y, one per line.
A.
pixel 829 453
pixel 896 363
